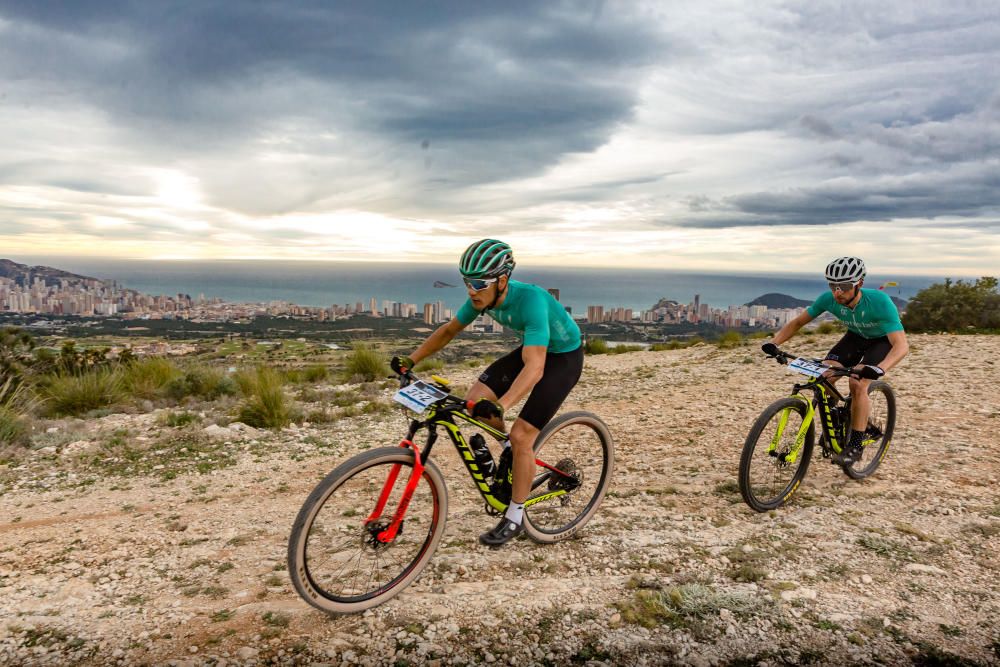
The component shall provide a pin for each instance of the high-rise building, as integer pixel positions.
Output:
(554, 291)
(595, 314)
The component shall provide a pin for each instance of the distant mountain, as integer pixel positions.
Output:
(665, 303)
(900, 303)
(22, 273)
(775, 300)
(439, 283)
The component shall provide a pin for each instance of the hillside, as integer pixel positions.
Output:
(775, 300)
(19, 272)
(118, 543)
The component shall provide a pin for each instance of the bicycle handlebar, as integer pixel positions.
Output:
(836, 371)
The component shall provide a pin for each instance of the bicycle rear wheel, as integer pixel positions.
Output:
(335, 560)
(881, 423)
(579, 446)
(767, 478)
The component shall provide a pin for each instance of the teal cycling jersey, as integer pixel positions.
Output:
(874, 316)
(534, 314)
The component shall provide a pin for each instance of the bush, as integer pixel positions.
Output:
(207, 383)
(957, 306)
(13, 430)
(596, 346)
(178, 419)
(624, 349)
(266, 404)
(365, 362)
(315, 373)
(77, 394)
(427, 365)
(830, 327)
(149, 377)
(730, 339)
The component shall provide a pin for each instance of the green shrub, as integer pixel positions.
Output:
(13, 430)
(596, 346)
(266, 405)
(830, 327)
(77, 394)
(315, 373)
(622, 349)
(730, 339)
(178, 419)
(955, 306)
(148, 378)
(429, 365)
(207, 383)
(365, 363)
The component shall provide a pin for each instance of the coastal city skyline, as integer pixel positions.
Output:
(716, 137)
(34, 291)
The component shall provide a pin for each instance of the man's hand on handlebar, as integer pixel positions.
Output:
(401, 365)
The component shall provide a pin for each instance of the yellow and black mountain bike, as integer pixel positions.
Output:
(371, 526)
(778, 448)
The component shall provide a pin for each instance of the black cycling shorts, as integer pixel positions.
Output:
(562, 370)
(853, 349)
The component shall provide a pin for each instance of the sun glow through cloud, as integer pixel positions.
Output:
(710, 137)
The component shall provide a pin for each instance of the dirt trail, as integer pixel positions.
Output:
(904, 566)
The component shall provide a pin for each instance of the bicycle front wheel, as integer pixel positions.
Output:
(579, 446)
(773, 462)
(335, 559)
(881, 423)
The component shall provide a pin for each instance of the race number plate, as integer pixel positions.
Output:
(808, 367)
(418, 396)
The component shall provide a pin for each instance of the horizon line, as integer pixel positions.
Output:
(221, 260)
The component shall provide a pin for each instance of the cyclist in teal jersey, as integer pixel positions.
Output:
(544, 368)
(874, 342)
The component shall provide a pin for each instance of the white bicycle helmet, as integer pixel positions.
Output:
(845, 269)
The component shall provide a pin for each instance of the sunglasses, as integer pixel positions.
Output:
(841, 287)
(479, 284)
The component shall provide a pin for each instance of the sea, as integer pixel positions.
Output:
(311, 283)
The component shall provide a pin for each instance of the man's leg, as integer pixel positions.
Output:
(861, 405)
(522, 439)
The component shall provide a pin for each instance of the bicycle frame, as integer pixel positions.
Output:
(441, 414)
(827, 397)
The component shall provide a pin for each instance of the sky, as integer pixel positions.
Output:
(730, 136)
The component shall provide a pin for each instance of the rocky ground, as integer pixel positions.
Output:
(127, 541)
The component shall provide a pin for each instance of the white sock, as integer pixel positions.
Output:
(515, 513)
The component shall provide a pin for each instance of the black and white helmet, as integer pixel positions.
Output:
(845, 269)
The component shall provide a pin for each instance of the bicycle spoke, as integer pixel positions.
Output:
(577, 452)
(344, 559)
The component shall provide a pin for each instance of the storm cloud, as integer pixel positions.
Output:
(278, 124)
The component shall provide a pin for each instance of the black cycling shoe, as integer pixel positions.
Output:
(849, 456)
(502, 533)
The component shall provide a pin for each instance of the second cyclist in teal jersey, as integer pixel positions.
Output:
(874, 342)
(544, 368)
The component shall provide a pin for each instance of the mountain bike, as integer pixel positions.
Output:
(779, 447)
(371, 526)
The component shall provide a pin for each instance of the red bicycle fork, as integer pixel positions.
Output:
(389, 534)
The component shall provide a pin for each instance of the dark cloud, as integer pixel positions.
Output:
(451, 72)
(819, 127)
(925, 196)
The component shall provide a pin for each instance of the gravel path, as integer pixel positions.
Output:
(184, 563)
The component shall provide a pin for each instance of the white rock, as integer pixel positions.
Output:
(247, 652)
(919, 567)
